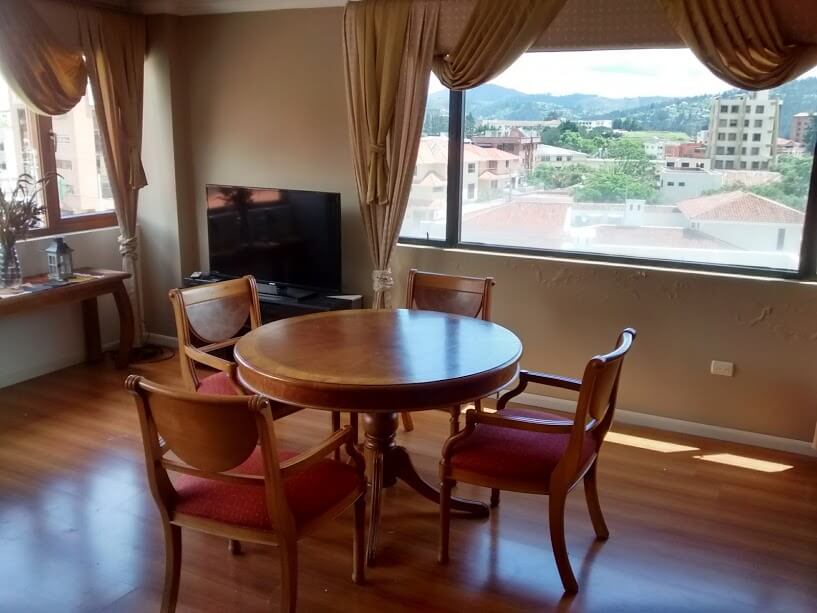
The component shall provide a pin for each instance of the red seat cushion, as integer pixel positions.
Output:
(219, 384)
(309, 493)
(506, 453)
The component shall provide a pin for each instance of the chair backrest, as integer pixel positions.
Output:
(211, 435)
(597, 400)
(212, 313)
(468, 296)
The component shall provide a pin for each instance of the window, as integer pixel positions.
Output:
(758, 123)
(66, 146)
(755, 151)
(760, 108)
(745, 123)
(614, 200)
(733, 123)
(756, 137)
(721, 123)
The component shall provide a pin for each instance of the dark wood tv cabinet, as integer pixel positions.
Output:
(275, 307)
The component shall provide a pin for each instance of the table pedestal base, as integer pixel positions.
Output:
(388, 462)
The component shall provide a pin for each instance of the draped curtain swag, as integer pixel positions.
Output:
(49, 77)
(497, 33)
(740, 41)
(114, 48)
(388, 46)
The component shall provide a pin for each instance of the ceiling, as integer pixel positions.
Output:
(203, 7)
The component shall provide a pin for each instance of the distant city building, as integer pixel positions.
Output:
(702, 136)
(743, 131)
(516, 141)
(499, 124)
(790, 147)
(594, 123)
(654, 147)
(799, 126)
(681, 184)
(558, 156)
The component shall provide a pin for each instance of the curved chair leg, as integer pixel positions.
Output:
(494, 498)
(591, 494)
(359, 542)
(173, 567)
(445, 520)
(408, 421)
(557, 540)
(289, 575)
(234, 547)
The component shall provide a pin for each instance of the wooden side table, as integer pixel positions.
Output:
(85, 291)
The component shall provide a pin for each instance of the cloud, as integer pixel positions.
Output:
(613, 73)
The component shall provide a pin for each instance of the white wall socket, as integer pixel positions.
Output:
(723, 369)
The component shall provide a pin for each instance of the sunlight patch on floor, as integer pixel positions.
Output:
(647, 443)
(744, 462)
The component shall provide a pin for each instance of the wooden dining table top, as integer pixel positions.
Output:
(378, 360)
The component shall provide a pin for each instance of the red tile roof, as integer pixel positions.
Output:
(739, 206)
(545, 220)
(653, 236)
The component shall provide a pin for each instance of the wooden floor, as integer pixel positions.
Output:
(78, 530)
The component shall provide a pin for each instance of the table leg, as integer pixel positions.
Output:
(90, 324)
(126, 325)
(387, 462)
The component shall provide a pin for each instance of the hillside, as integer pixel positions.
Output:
(688, 114)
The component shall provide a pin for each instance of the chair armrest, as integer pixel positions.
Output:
(542, 378)
(526, 376)
(305, 459)
(212, 361)
(519, 422)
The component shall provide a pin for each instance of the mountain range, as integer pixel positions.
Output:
(678, 114)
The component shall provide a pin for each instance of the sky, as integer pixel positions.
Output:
(613, 74)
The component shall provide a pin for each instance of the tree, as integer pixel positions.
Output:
(550, 177)
(811, 135)
(470, 125)
(616, 183)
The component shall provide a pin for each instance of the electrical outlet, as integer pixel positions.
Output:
(723, 369)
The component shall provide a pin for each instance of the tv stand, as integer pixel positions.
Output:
(294, 302)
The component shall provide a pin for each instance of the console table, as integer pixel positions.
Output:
(86, 291)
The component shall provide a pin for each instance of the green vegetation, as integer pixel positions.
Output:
(631, 175)
(643, 135)
(791, 189)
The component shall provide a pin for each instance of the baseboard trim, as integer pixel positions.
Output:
(38, 370)
(162, 340)
(720, 433)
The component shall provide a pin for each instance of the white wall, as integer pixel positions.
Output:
(36, 343)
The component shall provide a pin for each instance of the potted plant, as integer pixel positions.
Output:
(20, 212)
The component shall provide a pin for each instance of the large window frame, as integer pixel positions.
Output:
(807, 270)
(54, 222)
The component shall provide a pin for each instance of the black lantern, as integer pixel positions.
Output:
(60, 262)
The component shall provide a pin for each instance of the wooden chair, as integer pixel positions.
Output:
(539, 453)
(231, 487)
(469, 296)
(209, 320)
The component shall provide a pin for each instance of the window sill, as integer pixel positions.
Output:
(51, 233)
(607, 262)
(76, 224)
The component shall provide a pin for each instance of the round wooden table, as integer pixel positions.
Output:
(380, 363)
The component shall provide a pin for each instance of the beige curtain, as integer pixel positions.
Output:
(740, 41)
(114, 48)
(497, 33)
(388, 47)
(49, 77)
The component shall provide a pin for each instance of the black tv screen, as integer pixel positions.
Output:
(284, 236)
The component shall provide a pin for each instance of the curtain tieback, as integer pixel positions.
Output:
(128, 247)
(377, 149)
(382, 280)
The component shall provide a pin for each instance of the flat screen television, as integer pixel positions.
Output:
(288, 237)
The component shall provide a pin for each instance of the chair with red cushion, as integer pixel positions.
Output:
(210, 320)
(539, 453)
(229, 485)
